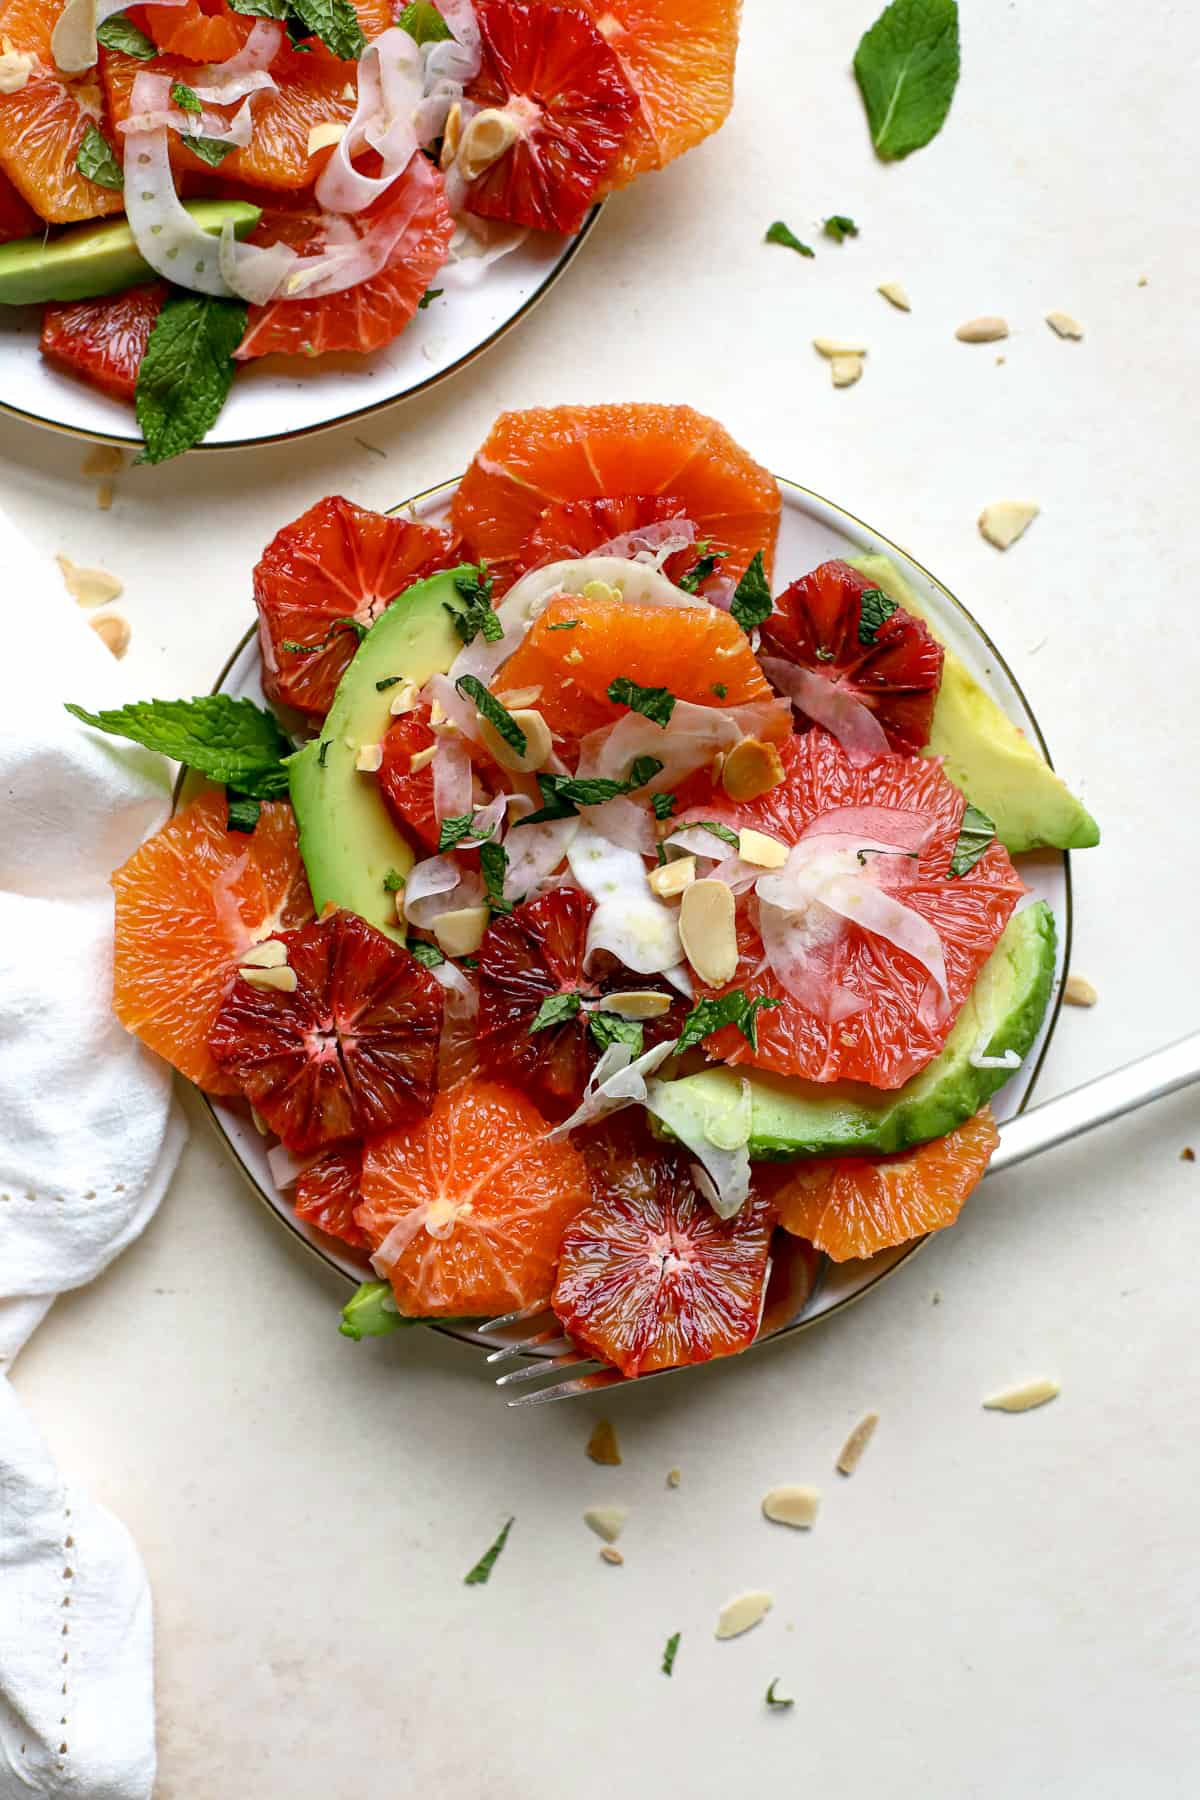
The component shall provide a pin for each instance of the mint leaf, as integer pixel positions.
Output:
(876, 609)
(120, 33)
(726, 833)
(564, 625)
(664, 805)
(454, 829)
(610, 1028)
(393, 881)
(752, 598)
(364, 1314)
(907, 69)
(563, 794)
(702, 568)
(428, 298)
(489, 708)
(774, 1699)
(241, 811)
(493, 866)
(186, 98)
(260, 9)
(212, 151)
(654, 703)
(555, 1009)
(228, 740)
(335, 22)
(779, 233)
(96, 160)
(475, 586)
(719, 689)
(297, 648)
(428, 955)
(422, 21)
(186, 371)
(733, 1008)
(487, 1562)
(839, 228)
(670, 1652)
(974, 835)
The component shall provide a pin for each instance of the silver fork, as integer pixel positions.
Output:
(1041, 1128)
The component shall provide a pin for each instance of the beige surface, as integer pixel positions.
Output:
(992, 1606)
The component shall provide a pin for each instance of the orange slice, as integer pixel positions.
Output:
(42, 124)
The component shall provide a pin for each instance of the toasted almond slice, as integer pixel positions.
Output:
(1022, 1399)
(515, 698)
(329, 131)
(796, 1506)
(611, 1555)
(751, 768)
(1004, 521)
(437, 714)
(1078, 991)
(401, 915)
(460, 932)
(635, 1003)
(404, 698)
(856, 1443)
(113, 631)
(672, 877)
(539, 742)
(283, 979)
(986, 330)
(104, 496)
(369, 759)
(421, 759)
(708, 932)
(606, 1521)
(763, 851)
(832, 347)
(674, 1477)
(600, 590)
(89, 587)
(845, 370)
(602, 1445)
(103, 460)
(1064, 325)
(270, 954)
(743, 1613)
(260, 1124)
(896, 294)
(451, 135)
(486, 139)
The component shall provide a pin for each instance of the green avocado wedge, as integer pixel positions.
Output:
(86, 261)
(792, 1118)
(347, 839)
(987, 757)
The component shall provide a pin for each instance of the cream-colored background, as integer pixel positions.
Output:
(992, 1606)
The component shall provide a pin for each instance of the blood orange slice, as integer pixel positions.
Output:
(550, 70)
(190, 903)
(43, 123)
(353, 1049)
(577, 527)
(104, 340)
(203, 31)
(328, 1191)
(649, 1277)
(321, 581)
(531, 460)
(16, 219)
(408, 793)
(893, 1034)
(465, 1210)
(855, 1206)
(893, 668)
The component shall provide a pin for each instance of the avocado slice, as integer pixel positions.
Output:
(90, 260)
(992, 762)
(792, 1118)
(347, 838)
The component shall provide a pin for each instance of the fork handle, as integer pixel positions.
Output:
(1096, 1102)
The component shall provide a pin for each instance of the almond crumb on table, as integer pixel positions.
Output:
(610, 1554)
(1078, 991)
(856, 1443)
(1024, 1398)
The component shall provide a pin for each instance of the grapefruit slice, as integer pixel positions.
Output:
(353, 1049)
(535, 459)
(408, 794)
(43, 123)
(189, 904)
(16, 219)
(104, 340)
(465, 1210)
(855, 1206)
(577, 527)
(892, 1036)
(649, 1277)
(893, 668)
(322, 581)
(328, 1191)
(551, 71)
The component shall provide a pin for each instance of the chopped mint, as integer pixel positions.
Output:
(323, 752)
(655, 703)
(779, 233)
(564, 794)
(719, 689)
(907, 69)
(726, 833)
(365, 1315)
(231, 741)
(186, 98)
(96, 160)
(212, 151)
(564, 625)
(839, 228)
(671, 1652)
(877, 609)
(610, 1028)
(702, 568)
(335, 22)
(555, 1009)
(733, 1008)
(489, 708)
(186, 371)
(475, 586)
(974, 835)
(393, 881)
(260, 9)
(428, 955)
(752, 597)
(387, 682)
(664, 805)
(120, 33)
(487, 1562)
(429, 296)
(354, 626)
(774, 1699)
(241, 811)
(454, 829)
(493, 866)
(422, 21)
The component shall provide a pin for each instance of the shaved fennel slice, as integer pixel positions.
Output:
(653, 543)
(854, 725)
(167, 236)
(241, 74)
(692, 737)
(436, 886)
(535, 852)
(622, 822)
(797, 949)
(235, 132)
(286, 1167)
(349, 260)
(73, 41)
(390, 86)
(630, 921)
(453, 777)
(886, 826)
(979, 1058)
(882, 915)
(458, 709)
(615, 1082)
(448, 66)
(456, 1048)
(726, 1164)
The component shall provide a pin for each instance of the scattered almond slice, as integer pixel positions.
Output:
(270, 954)
(103, 460)
(796, 1506)
(985, 330)
(743, 1613)
(1078, 991)
(602, 1446)
(708, 932)
(674, 1477)
(282, 979)
(260, 1124)
(539, 743)
(846, 370)
(485, 140)
(460, 932)
(113, 631)
(89, 587)
(831, 347)
(750, 769)
(1004, 521)
(673, 877)
(1023, 1399)
(1064, 325)
(369, 759)
(329, 131)
(610, 1554)
(513, 698)
(606, 1521)
(421, 759)
(896, 294)
(635, 1003)
(856, 1443)
(104, 496)
(763, 851)
(405, 698)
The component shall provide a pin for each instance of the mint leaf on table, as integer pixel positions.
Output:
(428, 955)
(227, 740)
(428, 298)
(774, 1699)
(654, 703)
(241, 811)
(212, 151)
(335, 22)
(671, 1652)
(702, 568)
(186, 371)
(907, 69)
(555, 1009)
(422, 21)
(608, 1028)
(487, 1562)
(975, 833)
(752, 598)
(364, 1314)
(876, 608)
(839, 228)
(733, 1008)
(96, 159)
(489, 708)
(475, 587)
(120, 33)
(493, 866)
(779, 233)
(186, 98)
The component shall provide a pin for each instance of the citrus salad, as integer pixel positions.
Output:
(230, 179)
(624, 909)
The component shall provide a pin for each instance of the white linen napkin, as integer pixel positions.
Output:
(89, 1139)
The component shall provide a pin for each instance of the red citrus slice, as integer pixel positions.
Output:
(550, 69)
(328, 1191)
(43, 123)
(408, 793)
(577, 527)
(190, 903)
(892, 1036)
(352, 1050)
(209, 31)
(535, 459)
(855, 1205)
(335, 568)
(465, 1209)
(649, 1278)
(104, 340)
(896, 674)
(16, 219)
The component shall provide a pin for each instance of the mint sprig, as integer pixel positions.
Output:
(975, 833)
(711, 1015)
(608, 1028)
(654, 703)
(335, 22)
(475, 587)
(96, 159)
(907, 69)
(556, 1009)
(428, 955)
(565, 794)
(752, 601)
(120, 33)
(875, 609)
(227, 740)
(186, 372)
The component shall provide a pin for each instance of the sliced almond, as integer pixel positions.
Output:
(421, 759)
(514, 698)
(451, 135)
(282, 979)
(437, 715)
(832, 347)
(1004, 521)
(89, 587)
(751, 768)
(602, 1445)
(103, 460)
(856, 1443)
(611, 1555)
(674, 1477)
(1022, 1399)
(104, 496)
(539, 742)
(369, 759)
(113, 631)
(635, 1003)
(16, 66)
(743, 1613)
(606, 1521)
(401, 915)
(796, 1506)
(1078, 991)
(489, 135)
(1064, 325)
(708, 932)
(329, 131)
(259, 1123)
(672, 878)
(270, 954)
(460, 932)
(763, 851)
(893, 292)
(404, 698)
(845, 370)
(986, 330)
